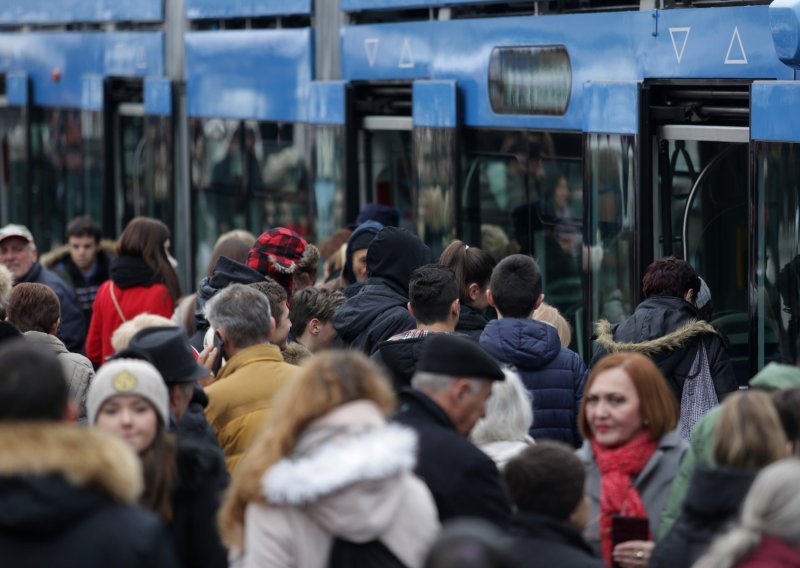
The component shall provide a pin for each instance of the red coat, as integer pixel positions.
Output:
(133, 301)
(772, 552)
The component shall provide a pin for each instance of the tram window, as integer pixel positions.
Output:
(387, 169)
(57, 174)
(612, 185)
(13, 160)
(328, 182)
(778, 179)
(523, 192)
(246, 175)
(433, 151)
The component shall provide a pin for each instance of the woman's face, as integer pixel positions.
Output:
(612, 408)
(131, 418)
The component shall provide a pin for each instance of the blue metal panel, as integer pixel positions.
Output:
(57, 61)
(784, 22)
(435, 104)
(360, 5)
(258, 74)
(611, 108)
(92, 92)
(200, 9)
(70, 11)
(158, 97)
(773, 105)
(18, 88)
(326, 102)
(629, 46)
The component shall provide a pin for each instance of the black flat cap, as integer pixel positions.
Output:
(455, 356)
(170, 352)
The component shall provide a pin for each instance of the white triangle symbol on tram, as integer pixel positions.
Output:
(406, 58)
(371, 47)
(678, 31)
(742, 59)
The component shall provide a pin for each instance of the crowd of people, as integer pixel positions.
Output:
(398, 411)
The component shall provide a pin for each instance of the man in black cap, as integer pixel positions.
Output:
(450, 388)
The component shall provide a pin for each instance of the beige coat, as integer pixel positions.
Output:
(77, 369)
(241, 398)
(350, 476)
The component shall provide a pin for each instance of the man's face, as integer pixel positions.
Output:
(18, 256)
(471, 407)
(282, 327)
(359, 261)
(83, 251)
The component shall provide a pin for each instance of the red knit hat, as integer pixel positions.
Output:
(279, 253)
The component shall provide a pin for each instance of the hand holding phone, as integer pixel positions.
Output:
(627, 529)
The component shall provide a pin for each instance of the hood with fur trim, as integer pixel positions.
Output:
(52, 258)
(677, 339)
(52, 474)
(345, 471)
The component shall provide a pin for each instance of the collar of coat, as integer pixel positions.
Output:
(259, 353)
(349, 445)
(670, 342)
(84, 456)
(59, 254)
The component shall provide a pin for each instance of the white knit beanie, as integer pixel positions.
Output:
(128, 377)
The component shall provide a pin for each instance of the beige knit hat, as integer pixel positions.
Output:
(128, 377)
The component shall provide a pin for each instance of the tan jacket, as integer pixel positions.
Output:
(241, 398)
(350, 476)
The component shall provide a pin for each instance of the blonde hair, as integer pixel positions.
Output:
(748, 433)
(549, 314)
(324, 382)
(121, 338)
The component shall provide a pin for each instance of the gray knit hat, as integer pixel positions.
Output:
(128, 377)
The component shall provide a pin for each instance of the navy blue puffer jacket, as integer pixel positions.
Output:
(554, 375)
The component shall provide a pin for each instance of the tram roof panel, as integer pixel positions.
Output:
(79, 11)
(710, 43)
(363, 5)
(252, 74)
(202, 9)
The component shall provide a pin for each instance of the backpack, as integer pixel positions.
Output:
(346, 554)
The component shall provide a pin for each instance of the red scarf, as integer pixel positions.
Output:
(618, 469)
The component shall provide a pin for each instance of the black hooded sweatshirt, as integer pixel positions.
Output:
(379, 310)
(226, 271)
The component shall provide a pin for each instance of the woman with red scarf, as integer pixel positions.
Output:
(631, 454)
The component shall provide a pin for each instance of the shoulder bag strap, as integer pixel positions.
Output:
(116, 304)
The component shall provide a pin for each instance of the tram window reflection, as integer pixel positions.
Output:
(778, 180)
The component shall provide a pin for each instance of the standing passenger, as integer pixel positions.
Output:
(91, 480)
(19, 254)
(142, 280)
(329, 482)
(631, 451)
(312, 317)
(473, 269)
(286, 257)
(554, 375)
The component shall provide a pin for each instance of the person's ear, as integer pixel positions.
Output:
(473, 291)
(272, 326)
(55, 326)
(314, 327)
(455, 308)
(70, 412)
(539, 301)
(411, 310)
(490, 298)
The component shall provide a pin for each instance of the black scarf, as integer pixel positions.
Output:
(130, 271)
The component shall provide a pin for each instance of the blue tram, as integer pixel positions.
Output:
(595, 135)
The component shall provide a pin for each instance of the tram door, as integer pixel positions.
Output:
(140, 152)
(701, 172)
(15, 198)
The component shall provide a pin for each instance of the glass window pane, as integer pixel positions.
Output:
(327, 157)
(13, 144)
(612, 185)
(434, 150)
(778, 178)
(388, 171)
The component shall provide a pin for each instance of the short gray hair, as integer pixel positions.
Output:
(242, 313)
(509, 413)
(434, 382)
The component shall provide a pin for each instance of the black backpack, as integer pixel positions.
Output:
(346, 554)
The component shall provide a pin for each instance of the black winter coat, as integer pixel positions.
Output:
(399, 355)
(226, 271)
(379, 309)
(554, 375)
(541, 542)
(711, 505)
(471, 322)
(202, 478)
(667, 330)
(77, 511)
(463, 480)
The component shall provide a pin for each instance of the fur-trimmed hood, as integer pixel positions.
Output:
(52, 258)
(345, 471)
(295, 353)
(675, 340)
(52, 473)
